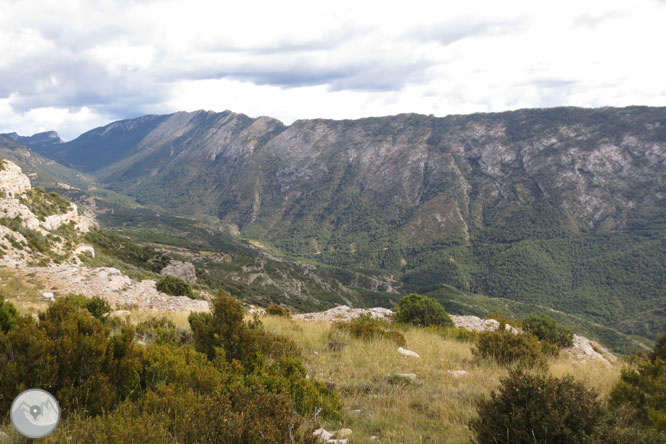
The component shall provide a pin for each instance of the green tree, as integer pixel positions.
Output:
(422, 311)
(546, 329)
(530, 409)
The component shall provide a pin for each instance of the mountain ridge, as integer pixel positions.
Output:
(561, 206)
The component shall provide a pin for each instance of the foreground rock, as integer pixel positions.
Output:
(585, 349)
(475, 323)
(112, 285)
(345, 313)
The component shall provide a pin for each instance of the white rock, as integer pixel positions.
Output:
(457, 373)
(322, 434)
(411, 376)
(475, 323)
(48, 296)
(120, 313)
(587, 350)
(337, 441)
(405, 352)
(374, 438)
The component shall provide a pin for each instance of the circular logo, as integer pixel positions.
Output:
(35, 413)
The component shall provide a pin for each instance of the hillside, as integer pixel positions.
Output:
(562, 207)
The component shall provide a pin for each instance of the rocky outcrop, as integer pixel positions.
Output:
(475, 323)
(345, 313)
(182, 270)
(26, 237)
(585, 349)
(112, 285)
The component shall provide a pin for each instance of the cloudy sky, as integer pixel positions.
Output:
(71, 65)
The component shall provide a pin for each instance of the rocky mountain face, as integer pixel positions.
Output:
(423, 176)
(45, 140)
(37, 227)
(564, 207)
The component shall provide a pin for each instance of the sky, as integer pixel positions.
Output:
(72, 65)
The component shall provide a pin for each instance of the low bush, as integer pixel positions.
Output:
(111, 389)
(422, 311)
(8, 315)
(530, 409)
(367, 328)
(507, 348)
(642, 390)
(546, 329)
(278, 310)
(175, 286)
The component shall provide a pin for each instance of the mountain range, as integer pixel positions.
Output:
(560, 207)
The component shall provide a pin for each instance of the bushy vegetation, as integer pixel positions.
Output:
(367, 328)
(8, 315)
(546, 329)
(507, 348)
(421, 310)
(278, 310)
(641, 392)
(174, 286)
(112, 389)
(530, 409)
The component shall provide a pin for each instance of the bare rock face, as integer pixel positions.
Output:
(19, 221)
(182, 270)
(12, 181)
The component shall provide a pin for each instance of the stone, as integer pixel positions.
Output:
(475, 323)
(344, 313)
(181, 270)
(337, 441)
(48, 296)
(587, 350)
(411, 376)
(405, 352)
(457, 373)
(322, 434)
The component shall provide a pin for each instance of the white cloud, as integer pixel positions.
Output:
(73, 64)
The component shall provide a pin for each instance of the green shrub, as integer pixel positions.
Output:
(225, 329)
(507, 348)
(367, 328)
(422, 311)
(98, 307)
(546, 329)
(8, 315)
(643, 390)
(530, 409)
(159, 330)
(175, 286)
(278, 310)
(113, 390)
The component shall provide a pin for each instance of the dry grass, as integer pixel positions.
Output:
(436, 407)
(21, 292)
(178, 317)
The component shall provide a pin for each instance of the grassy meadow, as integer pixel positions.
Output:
(435, 407)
